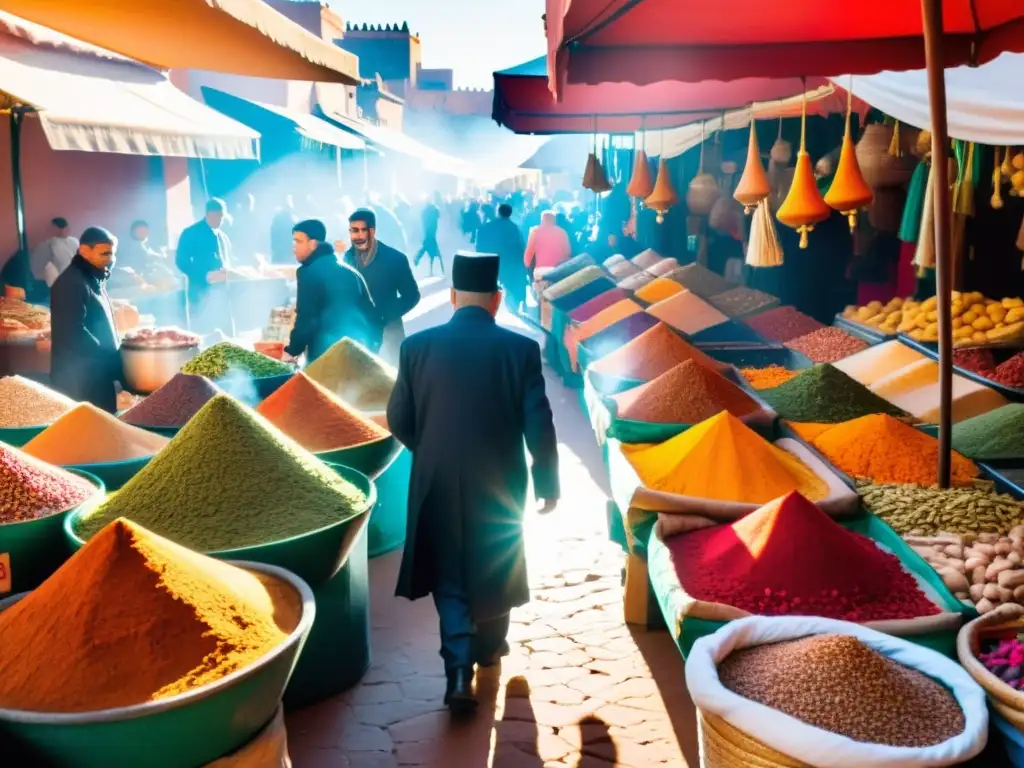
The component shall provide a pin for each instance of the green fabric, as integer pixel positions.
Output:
(910, 226)
(686, 630)
(629, 431)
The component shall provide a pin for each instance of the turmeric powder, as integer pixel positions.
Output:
(767, 377)
(724, 459)
(885, 450)
(659, 290)
(133, 617)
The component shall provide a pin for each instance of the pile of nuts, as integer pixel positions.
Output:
(918, 511)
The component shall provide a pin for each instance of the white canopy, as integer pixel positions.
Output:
(99, 102)
(984, 104)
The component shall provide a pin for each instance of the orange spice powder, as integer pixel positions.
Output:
(659, 290)
(767, 377)
(651, 354)
(603, 319)
(687, 394)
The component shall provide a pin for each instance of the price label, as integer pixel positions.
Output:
(5, 573)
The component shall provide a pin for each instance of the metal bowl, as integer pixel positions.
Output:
(146, 369)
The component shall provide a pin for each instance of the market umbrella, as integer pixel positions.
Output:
(644, 41)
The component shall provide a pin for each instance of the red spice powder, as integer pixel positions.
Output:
(827, 345)
(1009, 373)
(316, 418)
(687, 394)
(31, 489)
(783, 323)
(975, 360)
(589, 308)
(651, 354)
(788, 558)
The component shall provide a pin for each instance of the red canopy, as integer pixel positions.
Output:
(523, 103)
(646, 41)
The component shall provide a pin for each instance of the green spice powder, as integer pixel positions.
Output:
(998, 434)
(225, 357)
(229, 479)
(826, 395)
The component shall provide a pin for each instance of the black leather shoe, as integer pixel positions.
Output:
(459, 697)
(495, 658)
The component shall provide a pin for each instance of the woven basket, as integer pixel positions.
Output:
(880, 169)
(723, 746)
(1004, 699)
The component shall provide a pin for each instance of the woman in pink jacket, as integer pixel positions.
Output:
(548, 244)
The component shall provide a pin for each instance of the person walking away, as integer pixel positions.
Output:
(548, 244)
(332, 300)
(483, 383)
(503, 237)
(388, 275)
(84, 358)
(203, 255)
(281, 233)
(52, 256)
(430, 218)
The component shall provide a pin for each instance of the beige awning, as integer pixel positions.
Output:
(91, 103)
(238, 37)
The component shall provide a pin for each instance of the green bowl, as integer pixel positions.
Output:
(18, 436)
(314, 556)
(388, 524)
(36, 548)
(114, 474)
(184, 731)
(369, 458)
(253, 390)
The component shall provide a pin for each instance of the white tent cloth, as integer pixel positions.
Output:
(983, 104)
(91, 103)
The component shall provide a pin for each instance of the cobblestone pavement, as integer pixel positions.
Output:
(579, 689)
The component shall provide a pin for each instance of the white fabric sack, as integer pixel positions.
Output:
(815, 746)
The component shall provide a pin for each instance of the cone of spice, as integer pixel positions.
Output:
(659, 290)
(590, 308)
(996, 435)
(687, 312)
(582, 295)
(256, 485)
(651, 354)
(355, 374)
(317, 419)
(689, 393)
(724, 459)
(782, 323)
(767, 377)
(606, 317)
(825, 394)
(606, 341)
(31, 489)
(226, 358)
(27, 403)
(790, 558)
(701, 280)
(131, 618)
(174, 403)
(87, 435)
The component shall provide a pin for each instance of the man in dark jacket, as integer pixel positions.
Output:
(503, 237)
(430, 218)
(469, 395)
(388, 275)
(332, 299)
(85, 361)
(204, 252)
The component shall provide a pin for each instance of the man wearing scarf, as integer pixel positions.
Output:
(332, 300)
(85, 361)
(388, 276)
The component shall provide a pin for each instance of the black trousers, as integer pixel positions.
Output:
(465, 638)
(432, 249)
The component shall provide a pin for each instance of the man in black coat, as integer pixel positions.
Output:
(388, 276)
(503, 237)
(85, 361)
(469, 395)
(332, 299)
(203, 255)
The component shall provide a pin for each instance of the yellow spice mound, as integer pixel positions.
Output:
(723, 459)
(659, 290)
(87, 435)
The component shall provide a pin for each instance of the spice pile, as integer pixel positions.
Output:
(769, 377)
(174, 403)
(87, 435)
(355, 374)
(132, 618)
(885, 450)
(590, 308)
(996, 435)
(316, 419)
(636, 282)
(560, 286)
(568, 268)
(607, 340)
(224, 358)
(31, 489)
(621, 269)
(608, 316)
(686, 394)
(659, 290)
(782, 323)
(26, 403)
(877, 362)
(1005, 659)
(663, 267)
(742, 301)
(256, 485)
(724, 459)
(687, 312)
(651, 354)
(701, 280)
(1009, 373)
(915, 389)
(915, 510)
(827, 345)
(790, 558)
(825, 394)
(839, 684)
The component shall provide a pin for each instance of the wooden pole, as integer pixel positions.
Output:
(931, 14)
(19, 198)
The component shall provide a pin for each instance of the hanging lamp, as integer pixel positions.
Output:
(804, 206)
(849, 193)
(782, 151)
(754, 185)
(594, 177)
(703, 190)
(663, 196)
(641, 185)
